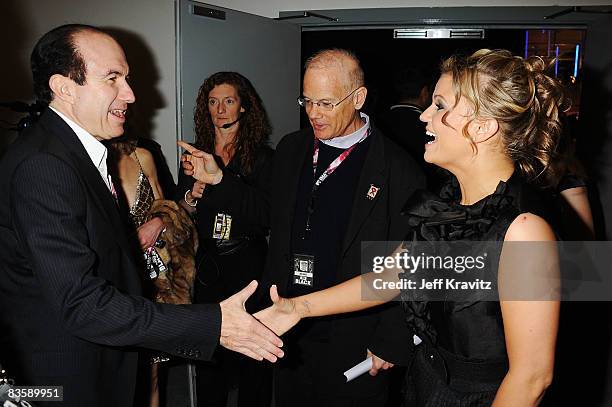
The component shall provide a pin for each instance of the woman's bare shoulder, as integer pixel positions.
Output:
(529, 227)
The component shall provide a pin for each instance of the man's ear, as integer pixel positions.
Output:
(63, 88)
(482, 130)
(359, 97)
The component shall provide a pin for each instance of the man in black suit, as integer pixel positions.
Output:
(70, 299)
(335, 185)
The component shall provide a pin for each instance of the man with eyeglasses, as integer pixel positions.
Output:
(334, 185)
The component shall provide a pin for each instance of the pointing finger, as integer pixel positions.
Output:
(187, 147)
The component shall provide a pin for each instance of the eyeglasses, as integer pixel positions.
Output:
(322, 104)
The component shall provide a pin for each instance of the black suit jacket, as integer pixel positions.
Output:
(69, 289)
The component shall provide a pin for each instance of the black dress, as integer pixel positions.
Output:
(463, 359)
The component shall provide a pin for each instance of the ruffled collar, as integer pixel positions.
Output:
(441, 217)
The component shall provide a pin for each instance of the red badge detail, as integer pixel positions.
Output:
(372, 192)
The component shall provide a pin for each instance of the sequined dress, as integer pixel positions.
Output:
(144, 197)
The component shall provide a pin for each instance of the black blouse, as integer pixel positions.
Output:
(469, 329)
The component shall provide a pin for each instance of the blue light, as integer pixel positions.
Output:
(576, 59)
(556, 61)
(526, 43)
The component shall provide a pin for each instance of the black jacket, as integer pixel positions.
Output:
(69, 288)
(379, 329)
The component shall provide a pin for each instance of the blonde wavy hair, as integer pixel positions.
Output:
(522, 97)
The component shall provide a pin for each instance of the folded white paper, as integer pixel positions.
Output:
(358, 369)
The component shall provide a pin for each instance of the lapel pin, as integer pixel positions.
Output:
(372, 191)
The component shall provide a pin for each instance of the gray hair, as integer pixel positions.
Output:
(343, 60)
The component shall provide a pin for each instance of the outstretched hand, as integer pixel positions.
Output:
(281, 316)
(242, 333)
(200, 165)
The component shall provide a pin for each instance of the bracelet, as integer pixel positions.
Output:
(193, 203)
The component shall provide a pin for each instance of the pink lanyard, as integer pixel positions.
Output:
(329, 171)
(334, 164)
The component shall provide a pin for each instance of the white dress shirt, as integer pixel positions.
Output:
(97, 151)
(347, 141)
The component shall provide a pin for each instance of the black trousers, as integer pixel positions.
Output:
(228, 371)
(220, 275)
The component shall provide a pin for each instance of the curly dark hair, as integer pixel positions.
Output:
(56, 53)
(254, 129)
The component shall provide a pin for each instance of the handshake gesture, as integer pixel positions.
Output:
(242, 333)
(285, 313)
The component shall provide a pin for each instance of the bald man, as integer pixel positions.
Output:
(317, 224)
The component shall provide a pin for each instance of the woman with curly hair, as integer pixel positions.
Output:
(494, 124)
(232, 125)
